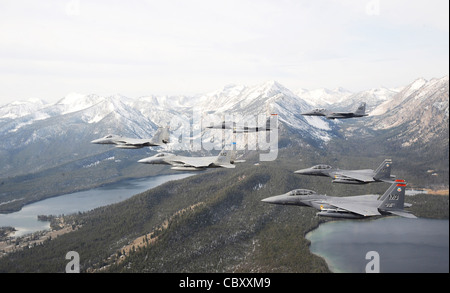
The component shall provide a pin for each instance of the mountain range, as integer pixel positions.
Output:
(38, 138)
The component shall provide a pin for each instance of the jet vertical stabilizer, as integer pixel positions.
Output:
(361, 111)
(162, 136)
(393, 200)
(383, 172)
(394, 197)
(225, 157)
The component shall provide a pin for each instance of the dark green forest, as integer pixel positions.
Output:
(228, 229)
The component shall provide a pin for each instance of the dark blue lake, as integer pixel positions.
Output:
(25, 221)
(403, 245)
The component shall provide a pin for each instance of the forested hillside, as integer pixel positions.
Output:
(228, 229)
(211, 222)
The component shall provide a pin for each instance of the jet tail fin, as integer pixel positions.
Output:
(162, 136)
(383, 172)
(225, 157)
(393, 200)
(361, 109)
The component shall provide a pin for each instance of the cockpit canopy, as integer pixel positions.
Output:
(321, 167)
(297, 192)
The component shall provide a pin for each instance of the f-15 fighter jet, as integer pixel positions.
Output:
(392, 202)
(183, 163)
(360, 112)
(381, 174)
(271, 123)
(161, 137)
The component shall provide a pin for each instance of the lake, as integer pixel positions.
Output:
(403, 245)
(25, 221)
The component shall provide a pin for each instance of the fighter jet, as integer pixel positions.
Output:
(360, 112)
(381, 174)
(270, 124)
(161, 137)
(392, 202)
(182, 163)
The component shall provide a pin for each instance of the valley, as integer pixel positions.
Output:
(213, 221)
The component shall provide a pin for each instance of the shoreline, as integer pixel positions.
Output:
(4, 210)
(17, 243)
(307, 238)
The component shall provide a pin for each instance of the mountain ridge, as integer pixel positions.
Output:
(59, 134)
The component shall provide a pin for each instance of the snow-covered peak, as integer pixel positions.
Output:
(417, 84)
(323, 97)
(21, 108)
(71, 98)
(341, 90)
(273, 87)
(414, 94)
(75, 102)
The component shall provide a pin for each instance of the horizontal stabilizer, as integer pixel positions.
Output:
(181, 168)
(403, 214)
(228, 166)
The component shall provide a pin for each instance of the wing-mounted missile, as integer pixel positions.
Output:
(124, 146)
(346, 181)
(344, 215)
(180, 168)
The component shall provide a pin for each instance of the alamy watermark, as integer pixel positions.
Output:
(207, 132)
(373, 266)
(373, 7)
(73, 266)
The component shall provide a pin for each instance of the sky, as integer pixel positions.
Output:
(50, 48)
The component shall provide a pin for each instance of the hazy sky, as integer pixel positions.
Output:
(49, 48)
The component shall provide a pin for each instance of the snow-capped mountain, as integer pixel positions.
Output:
(55, 132)
(21, 108)
(52, 141)
(341, 99)
(324, 97)
(35, 131)
(415, 98)
(239, 103)
(373, 98)
(420, 109)
(262, 101)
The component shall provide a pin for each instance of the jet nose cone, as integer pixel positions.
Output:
(145, 161)
(269, 200)
(151, 160)
(302, 171)
(277, 199)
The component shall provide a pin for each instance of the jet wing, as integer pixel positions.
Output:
(134, 142)
(250, 129)
(204, 162)
(354, 175)
(339, 115)
(344, 113)
(198, 162)
(356, 205)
